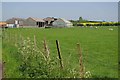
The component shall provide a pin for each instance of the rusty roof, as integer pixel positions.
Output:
(37, 19)
(49, 19)
(2, 23)
(12, 20)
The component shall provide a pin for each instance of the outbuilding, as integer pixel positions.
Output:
(15, 22)
(35, 22)
(60, 22)
(49, 21)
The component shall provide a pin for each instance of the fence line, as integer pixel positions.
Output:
(59, 53)
(81, 61)
(35, 41)
(46, 49)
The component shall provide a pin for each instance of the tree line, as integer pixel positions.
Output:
(83, 22)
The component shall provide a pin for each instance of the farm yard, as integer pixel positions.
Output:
(99, 52)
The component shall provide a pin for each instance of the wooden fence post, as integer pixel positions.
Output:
(81, 61)
(46, 50)
(11, 37)
(5, 35)
(21, 40)
(3, 69)
(59, 53)
(8, 37)
(14, 37)
(35, 41)
(16, 40)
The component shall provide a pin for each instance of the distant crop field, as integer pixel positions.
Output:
(99, 49)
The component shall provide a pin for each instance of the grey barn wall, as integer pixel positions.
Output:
(30, 22)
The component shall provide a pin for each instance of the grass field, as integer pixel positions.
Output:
(99, 48)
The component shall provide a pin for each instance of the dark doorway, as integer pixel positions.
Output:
(40, 24)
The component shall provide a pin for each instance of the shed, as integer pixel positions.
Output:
(35, 22)
(60, 22)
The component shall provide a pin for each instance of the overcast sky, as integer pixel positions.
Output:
(107, 11)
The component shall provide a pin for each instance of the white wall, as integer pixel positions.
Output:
(60, 23)
(10, 25)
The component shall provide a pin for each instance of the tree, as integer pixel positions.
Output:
(80, 19)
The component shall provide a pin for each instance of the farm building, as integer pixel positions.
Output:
(15, 22)
(60, 22)
(3, 24)
(35, 22)
(38, 22)
(49, 21)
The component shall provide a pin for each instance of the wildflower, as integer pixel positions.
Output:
(87, 74)
(23, 47)
(28, 46)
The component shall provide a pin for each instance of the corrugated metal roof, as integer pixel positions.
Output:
(37, 19)
(12, 20)
(66, 21)
(1, 23)
(49, 19)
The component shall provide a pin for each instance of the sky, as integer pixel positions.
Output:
(60, 0)
(107, 11)
(0, 11)
(119, 11)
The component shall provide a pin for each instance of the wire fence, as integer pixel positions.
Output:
(44, 45)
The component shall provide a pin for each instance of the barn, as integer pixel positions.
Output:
(29, 22)
(15, 22)
(49, 21)
(60, 22)
(35, 22)
(38, 22)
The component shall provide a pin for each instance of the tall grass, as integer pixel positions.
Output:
(99, 49)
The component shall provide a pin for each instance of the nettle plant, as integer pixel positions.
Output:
(33, 62)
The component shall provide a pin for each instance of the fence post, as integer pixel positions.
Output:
(59, 53)
(3, 69)
(46, 50)
(16, 40)
(4, 35)
(35, 41)
(81, 61)
(8, 36)
(21, 40)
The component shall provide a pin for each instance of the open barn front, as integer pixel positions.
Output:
(40, 24)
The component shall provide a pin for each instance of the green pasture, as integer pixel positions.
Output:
(99, 48)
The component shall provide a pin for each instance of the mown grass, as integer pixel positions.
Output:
(99, 48)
